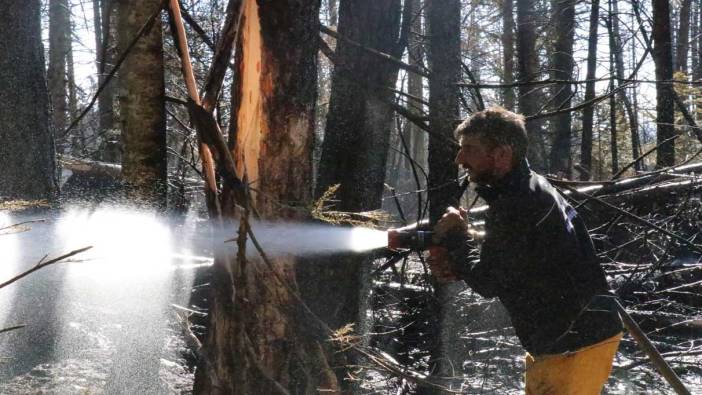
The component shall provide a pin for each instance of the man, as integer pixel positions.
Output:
(537, 257)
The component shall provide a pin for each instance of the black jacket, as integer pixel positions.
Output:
(537, 257)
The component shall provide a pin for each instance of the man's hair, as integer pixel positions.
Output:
(496, 126)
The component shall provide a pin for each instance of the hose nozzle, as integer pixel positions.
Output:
(410, 238)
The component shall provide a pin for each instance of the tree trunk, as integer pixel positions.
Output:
(697, 72)
(444, 57)
(528, 70)
(682, 44)
(142, 105)
(563, 22)
(354, 151)
(613, 48)
(663, 57)
(632, 116)
(694, 43)
(260, 340)
(508, 51)
(59, 45)
(588, 112)
(27, 155)
(415, 87)
(103, 18)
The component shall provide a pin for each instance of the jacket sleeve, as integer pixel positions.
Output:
(471, 269)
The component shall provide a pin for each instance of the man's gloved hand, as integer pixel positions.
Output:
(452, 229)
(449, 233)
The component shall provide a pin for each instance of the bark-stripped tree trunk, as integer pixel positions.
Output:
(563, 22)
(59, 45)
(588, 112)
(682, 45)
(260, 341)
(444, 58)
(27, 156)
(508, 52)
(354, 151)
(142, 104)
(528, 70)
(663, 57)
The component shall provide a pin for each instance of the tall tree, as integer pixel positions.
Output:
(663, 57)
(142, 103)
(27, 155)
(59, 47)
(103, 21)
(682, 45)
(359, 122)
(444, 58)
(613, 49)
(415, 85)
(260, 340)
(527, 71)
(588, 112)
(354, 151)
(563, 23)
(617, 48)
(697, 55)
(508, 51)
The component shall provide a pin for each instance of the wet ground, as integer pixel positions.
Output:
(104, 322)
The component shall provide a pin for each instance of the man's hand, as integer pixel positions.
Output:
(452, 223)
(441, 266)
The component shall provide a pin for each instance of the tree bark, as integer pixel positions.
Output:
(260, 340)
(27, 155)
(415, 87)
(588, 112)
(354, 151)
(444, 57)
(613, 49)
(563, 22)
(528, 70)
(682, 45)
(103, 19)
(59, 45)
(508, 52)
(663, 57)
(632, 115)
(142, 104)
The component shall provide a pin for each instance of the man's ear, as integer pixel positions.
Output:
(503, 158)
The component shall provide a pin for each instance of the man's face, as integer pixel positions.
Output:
(478, 159)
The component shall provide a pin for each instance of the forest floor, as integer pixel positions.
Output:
(111, 334)
(491, 361)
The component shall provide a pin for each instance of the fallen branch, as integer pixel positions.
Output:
(41, 264)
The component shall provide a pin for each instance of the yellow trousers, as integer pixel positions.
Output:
(583, 372)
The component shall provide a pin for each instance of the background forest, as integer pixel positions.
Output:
(341, 113)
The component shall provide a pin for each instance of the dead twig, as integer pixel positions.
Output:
(43, 264)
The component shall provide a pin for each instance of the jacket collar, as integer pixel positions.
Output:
(510, 183)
